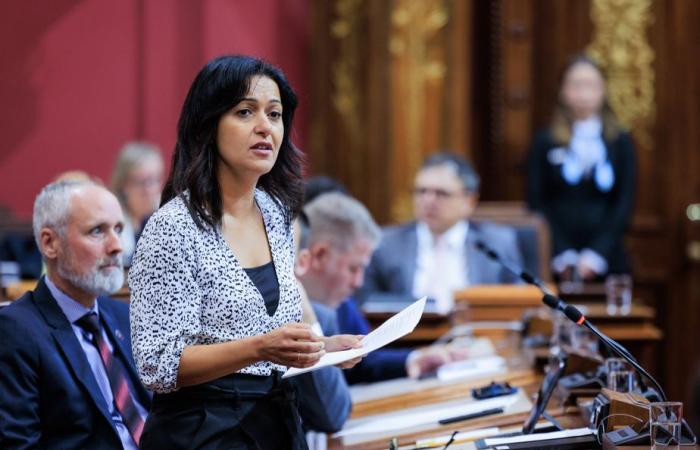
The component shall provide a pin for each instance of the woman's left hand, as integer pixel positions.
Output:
(343, 342)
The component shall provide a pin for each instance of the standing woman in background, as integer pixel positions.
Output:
(136, 181)
(582, 175)
(215, 305)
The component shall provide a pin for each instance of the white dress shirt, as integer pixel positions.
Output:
(441, 264)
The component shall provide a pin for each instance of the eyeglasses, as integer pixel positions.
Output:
(440, 194)
(144, 183)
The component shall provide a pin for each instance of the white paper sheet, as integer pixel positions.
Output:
(538, 437)
(474, 347)
(424, 415)
(395, 327)
(472, 367)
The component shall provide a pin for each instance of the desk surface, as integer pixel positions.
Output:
(518, 374)
(636, 326)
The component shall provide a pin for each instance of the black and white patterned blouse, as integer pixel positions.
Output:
(188, 288)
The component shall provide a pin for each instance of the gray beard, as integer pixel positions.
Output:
(97, 282)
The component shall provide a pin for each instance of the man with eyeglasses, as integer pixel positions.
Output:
(436, 254)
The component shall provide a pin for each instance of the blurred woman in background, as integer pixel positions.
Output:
(581, 176)
(137, 181)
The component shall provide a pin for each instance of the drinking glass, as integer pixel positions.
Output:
(618, 294)
(665, 422)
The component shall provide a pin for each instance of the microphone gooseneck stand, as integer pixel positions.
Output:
(571, 312)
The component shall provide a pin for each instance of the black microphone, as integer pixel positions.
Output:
(576, 316)
(549, 298)
(518, 272)
(554, 302)
(569, 311)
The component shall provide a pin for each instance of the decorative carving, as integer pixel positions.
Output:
(345, 69)
(418, 66)
(621, 47)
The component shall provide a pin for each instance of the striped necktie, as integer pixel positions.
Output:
(117, 377)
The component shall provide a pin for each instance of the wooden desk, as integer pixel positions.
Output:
(636, 330)
(517, 375)
(523, 377)
(16, 290)
(527, 380)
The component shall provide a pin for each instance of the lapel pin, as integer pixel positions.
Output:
(119, 335)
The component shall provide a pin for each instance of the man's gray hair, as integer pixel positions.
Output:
(340, 219)
(52, 206)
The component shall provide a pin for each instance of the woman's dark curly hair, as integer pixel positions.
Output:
(219, 86)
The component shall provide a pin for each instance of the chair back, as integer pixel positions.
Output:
(532, 231)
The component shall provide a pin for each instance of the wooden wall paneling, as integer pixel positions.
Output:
(561, 30)
(677, 141)
(458, 129)
(349, 137)
(321, 109)
(373, 188)
(516, 35)
(392, 84)
(418, 71)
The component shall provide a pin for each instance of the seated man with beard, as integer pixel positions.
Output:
(67, 377)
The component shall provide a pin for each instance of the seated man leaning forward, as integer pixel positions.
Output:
(436, 254)
(67, 377)
(331, 265)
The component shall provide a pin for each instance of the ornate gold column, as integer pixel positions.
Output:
(621, 45)
(392, 84)
(418, 71)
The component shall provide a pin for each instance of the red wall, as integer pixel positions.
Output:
(79, 78)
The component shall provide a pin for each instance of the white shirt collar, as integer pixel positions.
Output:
(591, 127)
(455, 236)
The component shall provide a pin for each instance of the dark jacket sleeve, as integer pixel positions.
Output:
(382, 364)
(611, 232)
(324, 397)
(383, 280)
(376, 287)
(20, 426)
(537, 186)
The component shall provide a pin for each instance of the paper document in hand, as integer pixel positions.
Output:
(395, 327)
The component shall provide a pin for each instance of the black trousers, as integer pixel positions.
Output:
(234, 412)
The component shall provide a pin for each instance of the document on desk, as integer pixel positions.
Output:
(504, 442)
(395, 327)
(425, 417)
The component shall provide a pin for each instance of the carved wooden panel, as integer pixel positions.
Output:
(392, 85)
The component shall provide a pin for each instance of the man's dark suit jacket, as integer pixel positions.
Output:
(324, 397)
(389, 275)
(49, 397)
(379, 365)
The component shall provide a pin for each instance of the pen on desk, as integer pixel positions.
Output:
(460, 438)
(486, 412)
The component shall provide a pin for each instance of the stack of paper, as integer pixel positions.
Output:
(395, 327)
(472, 368)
